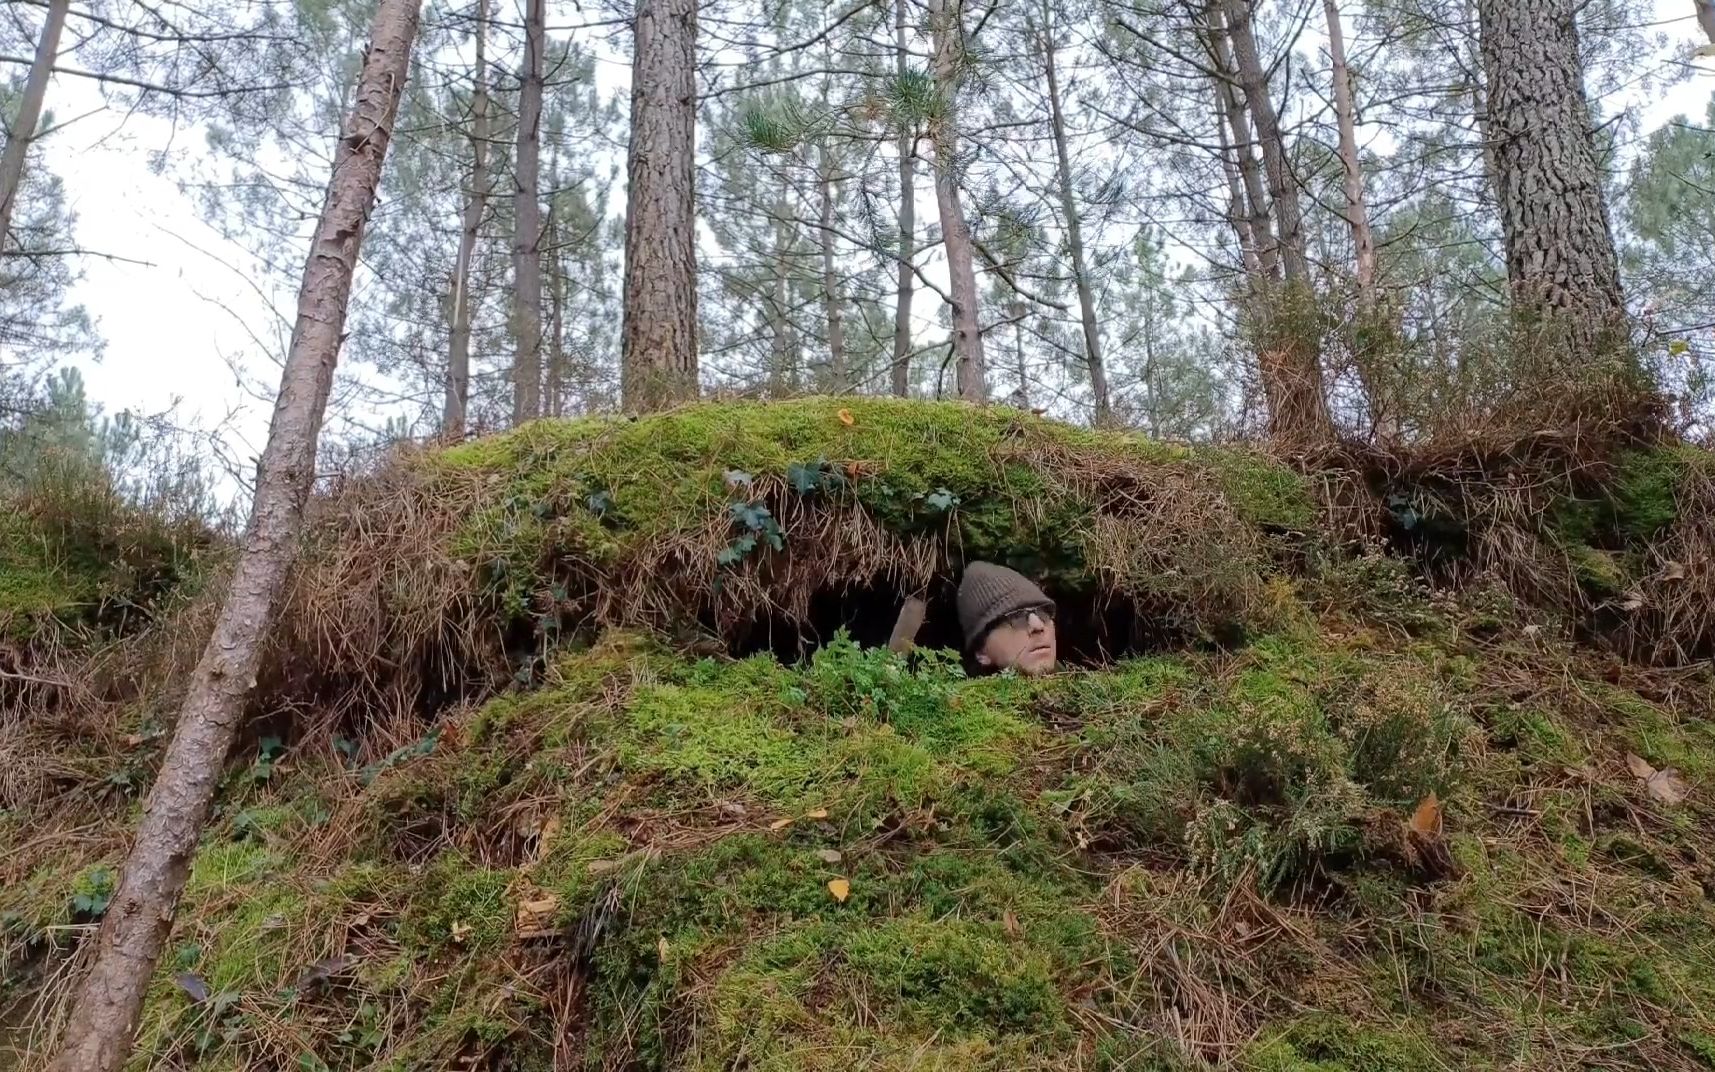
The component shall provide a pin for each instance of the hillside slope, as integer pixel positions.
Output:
(1301, 810)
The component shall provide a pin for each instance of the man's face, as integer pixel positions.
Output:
(1024, 641)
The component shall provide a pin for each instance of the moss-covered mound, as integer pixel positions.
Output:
(740, 518)
(1388, 823)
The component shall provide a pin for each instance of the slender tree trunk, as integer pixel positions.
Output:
(659, 354)
(907, 217)
(1282, 186)
(1238, 215)
(971, 373)
(1074, 230)
(476, 203)
(782, 381)
(1018, 355)
(1370, 338)
(831, 281)
(23, 130)
(527, 228)
(1346, 112)
(1288, 350)
(105, 1011)
(1560, 249)
(556, 317)
(1244, 142)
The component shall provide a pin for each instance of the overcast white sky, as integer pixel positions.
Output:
(177, 307)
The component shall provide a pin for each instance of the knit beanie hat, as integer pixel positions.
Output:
(989, 593)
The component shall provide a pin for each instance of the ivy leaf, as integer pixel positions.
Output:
(599, 503)
(733, 554)
(941, 500)
(804, 478)
(737, 478)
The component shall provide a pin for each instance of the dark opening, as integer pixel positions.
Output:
(1091, 628)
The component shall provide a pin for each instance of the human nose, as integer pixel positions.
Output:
(1036, 623)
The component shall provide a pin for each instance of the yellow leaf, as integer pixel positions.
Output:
(846, 418)
(819, 813)
(780, 824)
(549, 831)
(1639, 766)
(840, 888)
(1426, 820)
(662, 948)
(461, 931)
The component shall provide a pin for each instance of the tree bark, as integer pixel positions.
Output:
(1238, 213)
(1288, 342)
(1282, 186)
(970, 371)
(1346, 114)
(1074, 230)
(554, 404)
(907, 217)
(476, 203)
(1238, 124)
(527, 228)
(659, 356)
(1561, 261)
(23, 130)
(104, 1014)
(831, 281)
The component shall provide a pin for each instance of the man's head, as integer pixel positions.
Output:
(1008, 621)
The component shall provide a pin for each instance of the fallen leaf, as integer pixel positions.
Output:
(1634, 601)
(846, 418)
(321, 971)
(1426, 820)
(1667, 787)
(132, 740)
(193, 986)
(830, 856)
(460, 932)
(1532, 630)
(1639, 766)
(536, 913)
(662, 949)
(602, 867)
(780, 824)
(840, 888)
(819, 813)
(1673, 571)
(1010, 922)
(550, 830)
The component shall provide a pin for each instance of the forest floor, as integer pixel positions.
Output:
(562, 762)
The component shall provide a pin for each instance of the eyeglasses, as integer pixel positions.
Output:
(1020, 619)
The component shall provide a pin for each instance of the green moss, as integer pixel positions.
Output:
(991, 483)
(459, 906)
(1335, 1044)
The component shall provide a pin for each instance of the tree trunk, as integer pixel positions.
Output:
(1282, 185)
(1372, 331)
(907, 218)
(659, 356)
(1074, 232)
(476, 203)
(527, 228)
(1238, 214)
(831, 280)
(1560, 250)
(1346, 112)
(555, 402)
(104, 1014)
(1244, 142)
(23, 130)
(1288, 342)
(970, 371)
